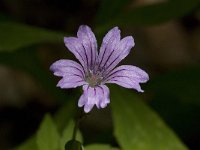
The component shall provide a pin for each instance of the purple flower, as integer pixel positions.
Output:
(96, 69)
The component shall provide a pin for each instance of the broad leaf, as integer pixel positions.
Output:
(178, 91)
(183, 84)
(15, 35)
(62, 117)
(151, 14)
(27, 61)
(138, 127)
(47, 135)
(158, 13)
(30, 144)
(109, 9)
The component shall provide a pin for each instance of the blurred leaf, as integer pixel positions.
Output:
(178, 91)
(30, 144)
(15, 35)
(27, 61)
(109, 9)
(4, 17)
(66, 113)
(151, 14)
(67, 134)
(99, 147)
(183, 84)
(61, 118)
(47, 135)
(159, 13)
(138, 127)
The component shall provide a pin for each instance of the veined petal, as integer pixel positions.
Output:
(65, 67)
(104, 96)
(128, 76)
(98, 96)
(75, 46)
(121, 51)
(72, 73)
(110, 41)
(70, 82)
(82, 100)
(88, 40)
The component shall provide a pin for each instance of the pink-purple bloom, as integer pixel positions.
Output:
(97, 68)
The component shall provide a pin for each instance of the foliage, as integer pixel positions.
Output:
(136, 125)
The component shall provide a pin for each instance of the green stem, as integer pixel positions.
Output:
(75, 129)
(78, 120)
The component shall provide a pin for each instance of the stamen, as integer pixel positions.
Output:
(94, 78)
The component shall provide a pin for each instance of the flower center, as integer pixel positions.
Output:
(93, 79)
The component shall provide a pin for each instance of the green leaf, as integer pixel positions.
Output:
(47, 135)
(30, 144)
(99, 147)
(62, 117)
(15, 35)
(178, 91)
(183, 84)
(106, 12)
(27, 61)
(138, 127)
(4, 17)
(151, 14)
(67, 134)
(66, 113)
(159, 13)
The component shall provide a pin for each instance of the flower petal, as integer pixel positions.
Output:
(128, 76)
(72, 73)
(65, 67)
(82, 100)
(110, 41)
(70, 82)
(88, 40)
(98, 96)
(104, 96)
(75, 46)
(121, 51)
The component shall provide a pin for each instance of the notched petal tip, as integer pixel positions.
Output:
(85, 30)
(130, 41)
(56, 65)
(145, 78)
(115, 29)
(69, 40)
(83, 26)
(112, 32)
(82, 100)
(88, 108)
(52, 68)
(103, 105)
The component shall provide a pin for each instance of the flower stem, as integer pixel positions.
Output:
(78, 120)
(75, 129)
